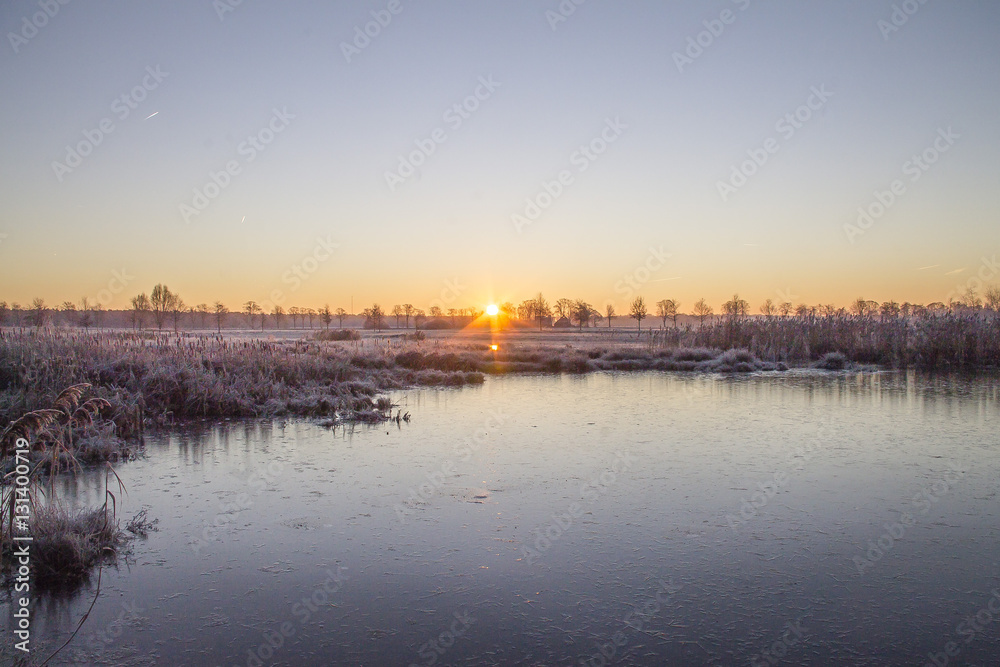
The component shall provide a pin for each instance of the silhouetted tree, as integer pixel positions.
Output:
(609, 312)
(251, 308)
(667, 309)
(161, 302)
(581, 311)
(220, 311)
(140, 307)
(638, 311)
(176, 310)
(326, 316)
(374, 315)
(202, 310)
(542, 309)
(701, 311)
(341, 314)
(768, 309)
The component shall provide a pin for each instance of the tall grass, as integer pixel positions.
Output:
(162, 378)
(929, 340)
(66, 543)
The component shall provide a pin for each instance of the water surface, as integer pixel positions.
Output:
(664, 519)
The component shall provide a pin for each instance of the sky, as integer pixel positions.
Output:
(462, 153)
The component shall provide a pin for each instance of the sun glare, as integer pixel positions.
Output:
(492, 310)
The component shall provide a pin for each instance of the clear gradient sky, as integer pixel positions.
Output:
(344, 120)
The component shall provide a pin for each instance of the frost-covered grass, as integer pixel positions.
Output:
(164, 379)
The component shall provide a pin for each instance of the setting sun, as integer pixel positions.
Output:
(492, 310)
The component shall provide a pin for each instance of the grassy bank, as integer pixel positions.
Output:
(929, 340)
(160, 379)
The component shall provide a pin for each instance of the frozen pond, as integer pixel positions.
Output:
(803, 518)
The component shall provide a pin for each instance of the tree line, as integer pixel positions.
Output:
(162, 308)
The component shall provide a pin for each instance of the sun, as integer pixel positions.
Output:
(492, 310)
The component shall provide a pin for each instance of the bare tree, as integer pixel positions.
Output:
(176, 310)
(768, 309)
(701, 311)
(86, 317)
(971, 298)
(581, 311)
(140, 307)
(638, 311)
(326, 316)
(38, 311)
(310, 313)
(408, 310)
(889, 310)
(735, 308)
(542, 309)
(341, 314)
(202, 310)
(278, 313)
(563, 308)
(993, 298)
(251, 308)
(68, 309)
(397, 311)
(667, 309)
(220, 311)
(161, 301)
(374, 316)
(609, 312)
